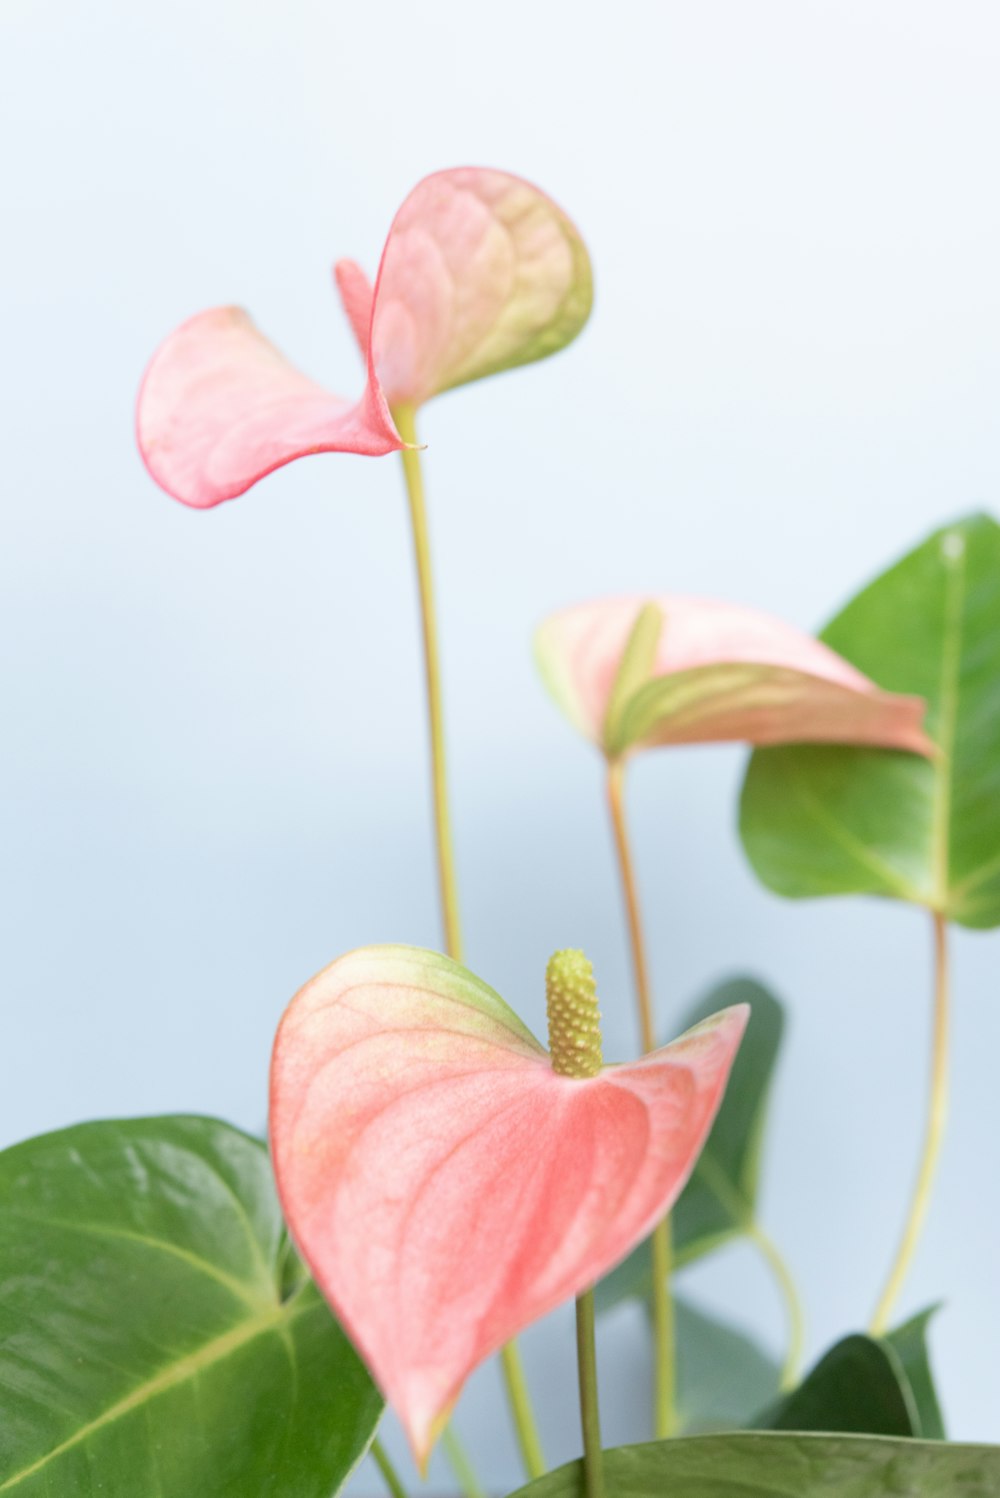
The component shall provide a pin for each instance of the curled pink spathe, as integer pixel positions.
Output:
(714, 672)
(480, 272)
(445, 1186)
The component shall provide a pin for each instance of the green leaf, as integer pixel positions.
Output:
(829, 820)
(778, 1465)
(723, 1377)
(720, 1200)
(156, 1335)
(859, 1386)
(909, 1343)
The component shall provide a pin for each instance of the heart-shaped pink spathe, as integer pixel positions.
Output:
(444, 1185)
(718, 672)
(480, 272)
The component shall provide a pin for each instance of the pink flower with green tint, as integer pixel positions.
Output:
(480, 272)
(448, 1180)
(636, 672)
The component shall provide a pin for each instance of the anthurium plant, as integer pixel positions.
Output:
(186, 1310)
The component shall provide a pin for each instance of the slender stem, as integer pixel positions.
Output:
(937, 1112)
(626, 868)
(460, 1464)
(590, 1418)
(405, 425)
(793, 1306)
(517, 1391)
(387, 1470)
(519, 1399)
(664, 1333)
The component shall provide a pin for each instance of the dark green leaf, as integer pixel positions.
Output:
(909, 1343)
(723, 1378)
(858, 1386)
(157, 1339)
(720, 1200)
(827, 820)
(776, 1465)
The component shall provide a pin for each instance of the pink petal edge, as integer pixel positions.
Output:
(445, 1186)
(812, 695)
(220, 408)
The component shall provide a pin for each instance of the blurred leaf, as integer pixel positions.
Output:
(156, 1336)
(909, 1343)
(720, 1200)
(828, 820)
(859, 1386)
(778, 1465)
(723, 1377)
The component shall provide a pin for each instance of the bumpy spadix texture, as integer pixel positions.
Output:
(632, 672)
(445, 1186)
(480, 272)
(573, 1016)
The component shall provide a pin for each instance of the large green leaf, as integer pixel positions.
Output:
(858, 1386)
(779, 1465)
(828, 820)
(723, 1378)
(157, 1338)
(720, 1200)
(909, 1343)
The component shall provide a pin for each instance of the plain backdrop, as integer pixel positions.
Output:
(214, 759)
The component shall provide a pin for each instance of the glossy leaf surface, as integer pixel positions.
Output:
(718, 672)
(832, 821)
(480, 272)
(779, 1465)
(444, 1184)
(719, 1202)
(859, 1387)
(154, 1338)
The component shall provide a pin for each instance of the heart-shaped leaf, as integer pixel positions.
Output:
(445, 1185)
(779, 1465)
(480, 272)
(719, 1202)
(859, 1386)
(836, 820)
(155, 1337)
(723, 1377)
(716, 672)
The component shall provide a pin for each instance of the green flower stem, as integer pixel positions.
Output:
(590, 1419)
(517, 1393)
(519, 1399)
(664, 1333)
(387, 1470)
(406, 426)
(793, 1306)
(460, 1464)
(937, 1112)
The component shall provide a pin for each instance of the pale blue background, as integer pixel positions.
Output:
(213, 751)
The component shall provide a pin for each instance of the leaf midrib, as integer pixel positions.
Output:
(242, 1291)
(189, 1366)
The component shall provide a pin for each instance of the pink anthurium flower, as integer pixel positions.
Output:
(447, 1179)
(481, 272)
(637, 672)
